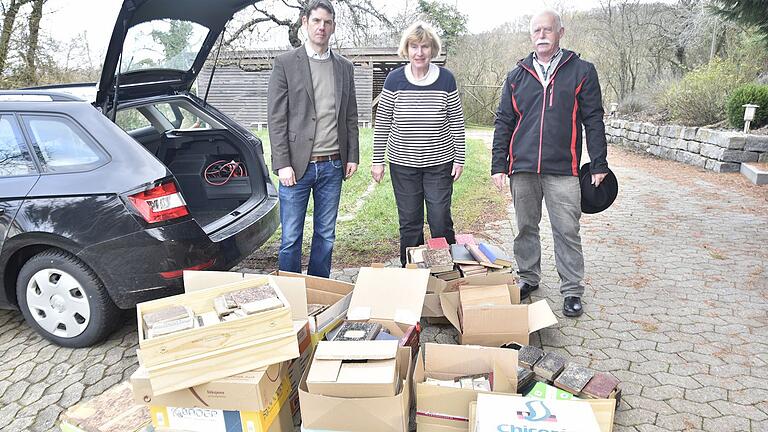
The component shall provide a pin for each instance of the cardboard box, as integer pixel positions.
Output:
(337, 369)
(377, 414)
(433, 308)
(275, 417)
(249, 391)
(497, 325)
(191, 357)
(336, 294)
(393, 297)
(497, 412)
(445, 408)
(603, 409)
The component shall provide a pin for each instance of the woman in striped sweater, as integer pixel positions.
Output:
(420, 129)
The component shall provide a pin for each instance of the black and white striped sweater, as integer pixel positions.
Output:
(419, 125)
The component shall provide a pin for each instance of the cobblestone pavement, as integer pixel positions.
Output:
(676, 308)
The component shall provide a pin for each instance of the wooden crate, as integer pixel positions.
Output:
(195, 356)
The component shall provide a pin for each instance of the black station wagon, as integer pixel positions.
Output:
(104, 204)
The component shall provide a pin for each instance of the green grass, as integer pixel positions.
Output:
(372, 235)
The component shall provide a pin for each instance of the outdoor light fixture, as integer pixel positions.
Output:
(614, 108)
(749, 115)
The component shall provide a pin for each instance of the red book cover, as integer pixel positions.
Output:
(437, 243)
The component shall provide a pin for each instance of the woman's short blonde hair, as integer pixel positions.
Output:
(419, 32)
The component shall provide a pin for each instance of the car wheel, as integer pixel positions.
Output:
(64, 300)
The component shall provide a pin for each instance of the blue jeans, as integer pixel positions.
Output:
(323, 180)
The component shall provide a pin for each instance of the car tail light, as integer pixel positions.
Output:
(173, 274)
(160, 203)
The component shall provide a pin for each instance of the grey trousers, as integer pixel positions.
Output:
(563, 198)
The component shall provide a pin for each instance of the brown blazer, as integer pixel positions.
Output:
(291, 111)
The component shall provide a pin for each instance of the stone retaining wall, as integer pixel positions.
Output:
(720, 151)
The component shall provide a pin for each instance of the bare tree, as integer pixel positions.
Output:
(10, 10)
(33, 41)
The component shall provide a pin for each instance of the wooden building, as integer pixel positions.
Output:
(239, 86)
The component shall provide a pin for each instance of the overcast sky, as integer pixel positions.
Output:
(64, 19)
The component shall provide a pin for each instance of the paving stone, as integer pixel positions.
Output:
(731, 423)
(679, 422)
(706, 394)
(663, 392)
(745, 411)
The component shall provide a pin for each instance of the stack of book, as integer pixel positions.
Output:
(435, 256)
(479, 258)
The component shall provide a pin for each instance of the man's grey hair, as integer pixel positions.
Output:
(551, 12)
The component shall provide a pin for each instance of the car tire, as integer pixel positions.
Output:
(65, 301)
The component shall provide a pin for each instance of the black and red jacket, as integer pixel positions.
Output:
(539, 130)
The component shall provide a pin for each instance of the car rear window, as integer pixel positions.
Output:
(61, 145)
(15, 159)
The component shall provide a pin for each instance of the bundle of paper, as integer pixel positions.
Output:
(168, 320)
(244, 302)
(356, 331)
(483, 382)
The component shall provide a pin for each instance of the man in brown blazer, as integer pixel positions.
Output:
(312, 118)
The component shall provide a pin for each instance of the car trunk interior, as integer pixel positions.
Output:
(214, 173)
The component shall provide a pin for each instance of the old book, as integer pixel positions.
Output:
(529, 355)
(573, 378)
(461, 255)
(260, 305)
(496, 255)
(162, 328)
(463, 239)
(600, 386)
(315, 309)
(438, 260)
(252, 295)
(442, 383)
(550, 366)
(357, 331)
(449, 275)
(437, 243)
(416, 256)
(480, 256)
(170, 313)
(221, 307)
(111, 411)
(524, 377)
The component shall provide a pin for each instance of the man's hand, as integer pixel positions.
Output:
(598, 178)
(456, 171)
(351, 169)
(287, 176)
(377, 172)
(499, 179)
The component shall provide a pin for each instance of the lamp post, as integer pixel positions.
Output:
(749, 115)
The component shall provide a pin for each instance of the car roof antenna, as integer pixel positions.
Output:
(213, 68)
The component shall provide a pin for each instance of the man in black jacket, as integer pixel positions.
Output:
(545, 101)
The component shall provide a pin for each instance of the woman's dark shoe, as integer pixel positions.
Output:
(572, 307)
(525, 290)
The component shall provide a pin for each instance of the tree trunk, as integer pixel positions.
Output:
(5, 34)
(34, 39)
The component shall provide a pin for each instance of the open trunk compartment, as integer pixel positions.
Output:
(215, 172)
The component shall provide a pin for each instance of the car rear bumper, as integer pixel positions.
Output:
(131, 266)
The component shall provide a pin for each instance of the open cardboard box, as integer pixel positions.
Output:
(432, 305)
(392, 297)
(370, 414)
(354, 369)
(497, 325)
(199, 355)
(445, 408)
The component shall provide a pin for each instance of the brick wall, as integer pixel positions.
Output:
(720, 151)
